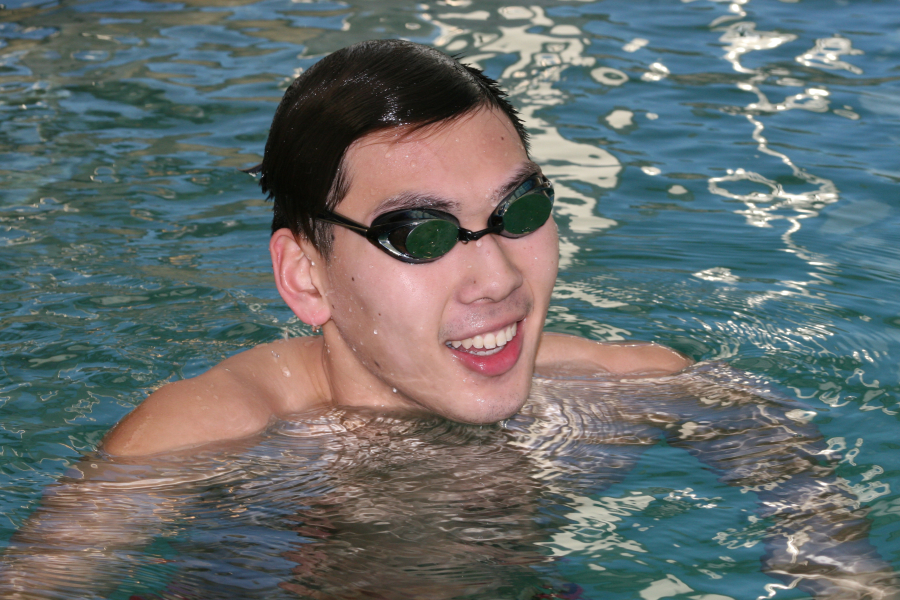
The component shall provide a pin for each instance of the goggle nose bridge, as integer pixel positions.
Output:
(466, 236)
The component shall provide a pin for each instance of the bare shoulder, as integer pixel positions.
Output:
(560, 353)
(235, 399)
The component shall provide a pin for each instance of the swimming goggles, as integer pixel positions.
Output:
(422, 235)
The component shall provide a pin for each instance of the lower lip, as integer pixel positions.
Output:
(494, 364)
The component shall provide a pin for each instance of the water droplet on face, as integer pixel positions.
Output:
(375, 331)
(394, 390)
(478, 244)
(275, 354)
(286, 372)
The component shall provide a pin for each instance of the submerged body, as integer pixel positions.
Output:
(352, 503)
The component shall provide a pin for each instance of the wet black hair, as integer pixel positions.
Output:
(365, 88)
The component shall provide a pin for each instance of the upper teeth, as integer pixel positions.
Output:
(488, 340)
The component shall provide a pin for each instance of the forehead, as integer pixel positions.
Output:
(467, 157)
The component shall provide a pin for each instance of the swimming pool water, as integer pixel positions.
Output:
(726, 176)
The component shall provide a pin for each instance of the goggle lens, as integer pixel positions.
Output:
(431, 239)
(527, 214)
(424, 235)
(436, 237)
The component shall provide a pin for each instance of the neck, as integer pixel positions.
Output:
(354, 383)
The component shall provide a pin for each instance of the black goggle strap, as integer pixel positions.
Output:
(335, 219)
(379, 232)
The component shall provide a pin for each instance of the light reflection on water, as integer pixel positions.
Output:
(352, 504)
(726, 186)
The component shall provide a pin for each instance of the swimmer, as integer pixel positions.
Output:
(412, 228)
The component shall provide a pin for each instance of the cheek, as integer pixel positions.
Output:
(380, 294)
(552, 243)
(539, 260)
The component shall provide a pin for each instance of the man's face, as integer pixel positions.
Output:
(396, 323)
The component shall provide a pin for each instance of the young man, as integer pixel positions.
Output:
(412, 228)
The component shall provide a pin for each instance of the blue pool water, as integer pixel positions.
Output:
(727, 183)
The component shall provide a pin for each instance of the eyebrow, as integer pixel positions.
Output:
(522, 172)
(414, 200)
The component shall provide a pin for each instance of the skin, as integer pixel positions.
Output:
(386, 323)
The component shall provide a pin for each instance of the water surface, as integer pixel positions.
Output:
(727, 184)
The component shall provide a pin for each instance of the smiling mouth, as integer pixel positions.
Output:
(487, 344)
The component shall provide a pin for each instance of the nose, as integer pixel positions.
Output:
(490, 273)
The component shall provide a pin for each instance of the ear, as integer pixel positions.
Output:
(299, 273)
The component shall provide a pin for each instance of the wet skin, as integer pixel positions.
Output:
(388, 325)
(391, 321)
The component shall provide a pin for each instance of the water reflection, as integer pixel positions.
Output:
(352, 504)
(772, 198)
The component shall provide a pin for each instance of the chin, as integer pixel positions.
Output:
(486, 412)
